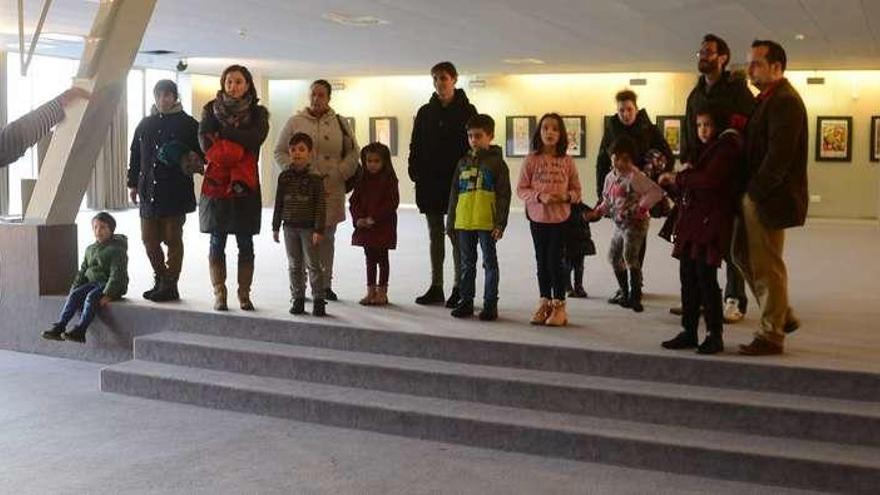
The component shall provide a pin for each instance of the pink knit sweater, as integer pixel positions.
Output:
(542, 173)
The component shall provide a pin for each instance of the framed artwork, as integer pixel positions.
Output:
(576, 127)
(519, 135)
(875, 138)
(672, 126)
(350, 121)
(834, 139)
(384, 130)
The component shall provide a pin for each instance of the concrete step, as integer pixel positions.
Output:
(734, 456)
(687, 368)
(760, 413)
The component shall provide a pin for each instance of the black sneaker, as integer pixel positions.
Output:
(54, 333)
(464, 309)
(712, 345)
(619, 298)
(76, 334)
(298, 307)
(489, 312)
(578, 293)
(330, 295)
(683, 340)
(318, 308)
(454, 299)
(434, 295)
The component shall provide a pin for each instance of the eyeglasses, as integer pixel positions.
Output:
(705, 53)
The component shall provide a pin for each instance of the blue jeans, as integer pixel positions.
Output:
(245, 246)
(85, 299)
(467, 245)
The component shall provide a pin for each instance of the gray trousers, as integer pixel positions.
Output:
(301, 254)
(326, 252)
(626, 245)
(437, 237)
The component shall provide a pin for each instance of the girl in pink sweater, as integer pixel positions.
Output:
(549, 185)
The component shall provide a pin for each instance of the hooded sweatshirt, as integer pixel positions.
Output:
(106, 263)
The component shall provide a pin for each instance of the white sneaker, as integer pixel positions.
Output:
(732, 314)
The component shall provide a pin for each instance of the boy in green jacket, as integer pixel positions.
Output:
(103, 277)
(479, 203)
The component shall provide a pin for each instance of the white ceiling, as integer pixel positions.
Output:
(290, 38)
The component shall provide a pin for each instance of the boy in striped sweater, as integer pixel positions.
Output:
(300, 203)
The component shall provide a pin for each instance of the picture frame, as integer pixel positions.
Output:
(874, 155)
(384, 130)
(672, 128)
(520, 129)
(576, 128)
(834, 138)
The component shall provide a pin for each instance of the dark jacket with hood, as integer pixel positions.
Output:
(730, 92)
(239, 214)
(647, 137)
(776, 157)
(439, 140)
(164, 189)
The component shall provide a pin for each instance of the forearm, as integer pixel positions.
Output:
(23, 133)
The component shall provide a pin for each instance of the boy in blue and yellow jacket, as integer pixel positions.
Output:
(479, 203)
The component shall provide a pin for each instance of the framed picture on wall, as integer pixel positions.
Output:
(519, 135)
(672, 126)
(833, 139)
(576, 127)
(875, 138)
(384, 130)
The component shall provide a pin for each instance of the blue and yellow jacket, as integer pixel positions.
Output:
(479, 198)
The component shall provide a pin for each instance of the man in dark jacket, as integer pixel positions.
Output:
(439, 140)
(775, 196)
(731, 93)
(164, 153)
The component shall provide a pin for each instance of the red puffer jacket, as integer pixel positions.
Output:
(231, 170)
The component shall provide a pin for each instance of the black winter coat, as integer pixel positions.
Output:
(164, 189)
(647, 137)
(439, 140)
(237, 215)
(730, 92)
(578, 237)
(776, 158)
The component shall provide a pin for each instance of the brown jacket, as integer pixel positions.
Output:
(776, 158)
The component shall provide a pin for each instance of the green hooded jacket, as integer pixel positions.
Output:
(106, 263)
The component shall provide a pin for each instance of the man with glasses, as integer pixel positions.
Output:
(718, 86)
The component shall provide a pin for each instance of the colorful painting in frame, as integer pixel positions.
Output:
(833, 139)
(576, 128)
(672, 126)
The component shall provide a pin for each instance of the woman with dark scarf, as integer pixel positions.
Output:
(236, 122)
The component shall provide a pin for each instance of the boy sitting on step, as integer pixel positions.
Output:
(103, 277)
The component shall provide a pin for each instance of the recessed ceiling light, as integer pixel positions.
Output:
(524, 61)
(799, 37)
(348, 20)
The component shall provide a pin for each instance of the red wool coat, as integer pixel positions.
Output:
(376, 196)
(707, 201)
(229, 163)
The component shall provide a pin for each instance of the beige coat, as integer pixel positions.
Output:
(327, 157)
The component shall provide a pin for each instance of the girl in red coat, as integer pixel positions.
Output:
(374, 213)
(704, 227)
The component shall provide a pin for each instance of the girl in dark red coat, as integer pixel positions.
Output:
(704, 228)
(374, 213)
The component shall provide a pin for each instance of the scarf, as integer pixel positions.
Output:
(177, 108)
(233, 112)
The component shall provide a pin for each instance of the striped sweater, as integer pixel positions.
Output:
(300, 201)
(20, 135)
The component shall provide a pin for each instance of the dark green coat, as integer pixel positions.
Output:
(107, 264)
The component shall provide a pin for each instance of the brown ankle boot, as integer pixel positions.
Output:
(541, 313)
(245, 277)
(217, 267)
(381, 298)
(558, 317)
(370, 298)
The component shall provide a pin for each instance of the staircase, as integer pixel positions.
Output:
(795, 427)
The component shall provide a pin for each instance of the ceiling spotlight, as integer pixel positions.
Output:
(359, 21)
(799, 37)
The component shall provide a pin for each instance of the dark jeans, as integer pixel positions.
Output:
(467, 245)
(548, 239)
(245, 246)
(84, 299)
(575, 267)
(699, 287)
(377, 258)
(437, 237)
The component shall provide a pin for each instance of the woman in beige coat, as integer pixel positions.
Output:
(335, 156)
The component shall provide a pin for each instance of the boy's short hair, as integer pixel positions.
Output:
(301, 137)
(624, 145)
(627, 95)
(483, 122)
(107, 219)
(446, 67)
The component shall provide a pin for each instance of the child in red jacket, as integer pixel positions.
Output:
(373, 207)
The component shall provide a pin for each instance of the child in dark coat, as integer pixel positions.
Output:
(373, 206)
(578, 245)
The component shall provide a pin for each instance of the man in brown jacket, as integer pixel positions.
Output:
(775, 196)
